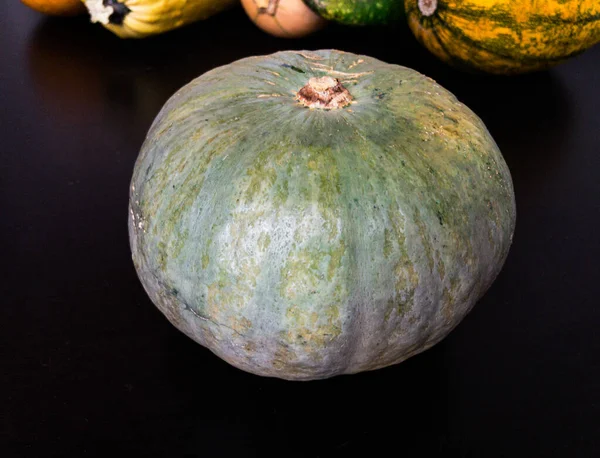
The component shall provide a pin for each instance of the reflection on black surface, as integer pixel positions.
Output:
(64, 73)
(318, 418)
(522, 109)
(528, 116)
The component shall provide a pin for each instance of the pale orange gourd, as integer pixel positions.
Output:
(283, 18)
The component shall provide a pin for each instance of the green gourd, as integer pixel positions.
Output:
(359, 12)
(307, 214)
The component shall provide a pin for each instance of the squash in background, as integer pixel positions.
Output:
(141, 18)
(283, 18)
(56, 7)
(505, 36)
(308, 214)
(359, 12)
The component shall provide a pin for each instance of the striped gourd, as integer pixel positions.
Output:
(505, 36)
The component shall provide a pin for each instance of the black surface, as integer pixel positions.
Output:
(91, 368)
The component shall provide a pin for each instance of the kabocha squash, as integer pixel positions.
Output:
(283, 18)
(56, 7)
(141, 18)
(307, 214)
(505, 36)
(358, 12)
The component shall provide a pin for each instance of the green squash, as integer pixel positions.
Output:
(308, 214)
(358, 12)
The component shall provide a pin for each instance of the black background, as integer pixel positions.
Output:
(91, 368)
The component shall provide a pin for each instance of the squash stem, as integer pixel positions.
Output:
(107, 11)
(270, 8)
(325, 92)
(427, 7)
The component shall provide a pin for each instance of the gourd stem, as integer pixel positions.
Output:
(270, 9)
(107, 11)
(120, 10)
(427, 7)
(325, 92)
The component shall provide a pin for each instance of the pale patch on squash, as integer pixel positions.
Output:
(177, 242)
(284, 359)
(240, 325)
(407, 280)
(262, 175)
(264, 241)
(212, 308)
(205, 260)
(315, 337)
(226, 298)
(249, 347)
(308, 329)
(311, 268)
(301, 274)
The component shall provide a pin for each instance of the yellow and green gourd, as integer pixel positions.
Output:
(142, 18)
(505, 36)
(309, 214)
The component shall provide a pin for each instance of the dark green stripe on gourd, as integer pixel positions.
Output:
(359, 12)
(307, 242)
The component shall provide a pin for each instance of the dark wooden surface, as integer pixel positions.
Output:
(91, 368)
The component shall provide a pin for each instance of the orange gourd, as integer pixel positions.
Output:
(56, 7)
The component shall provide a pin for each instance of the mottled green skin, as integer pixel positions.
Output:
(358, 12)
(304, 243)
